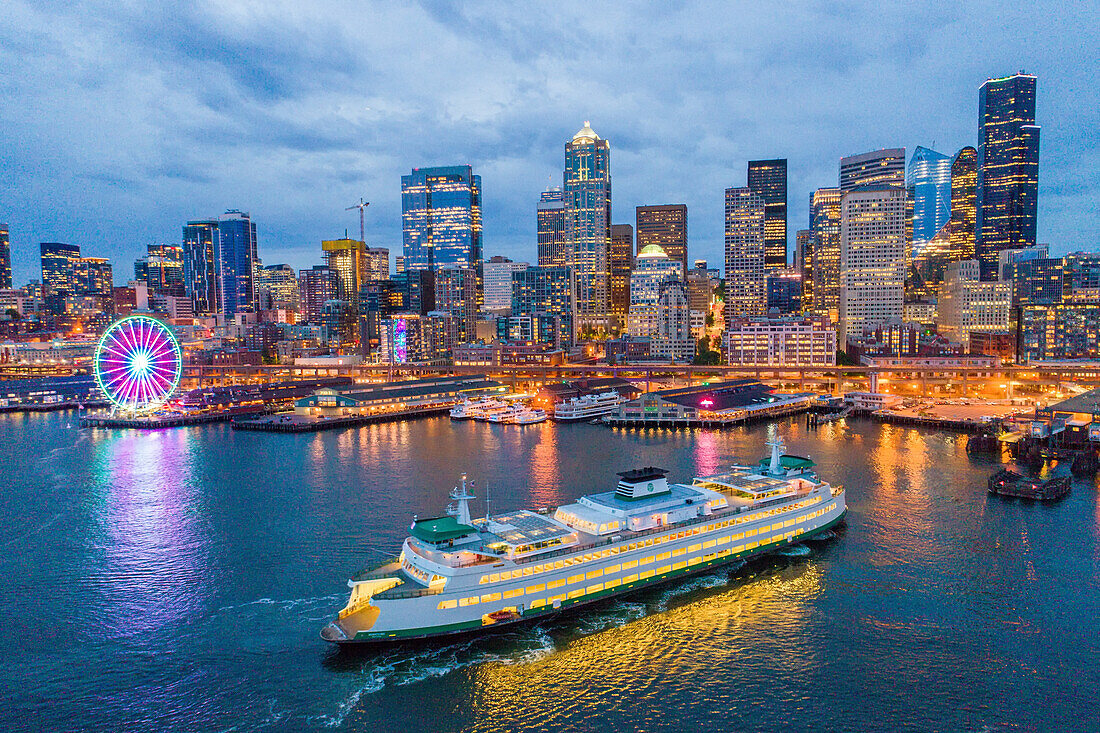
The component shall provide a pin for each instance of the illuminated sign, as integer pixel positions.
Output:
(400, 345)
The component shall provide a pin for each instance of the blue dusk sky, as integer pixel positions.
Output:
(121, 120)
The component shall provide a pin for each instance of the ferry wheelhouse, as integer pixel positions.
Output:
(456, 574)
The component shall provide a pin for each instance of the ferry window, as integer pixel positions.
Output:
(695, 548)
(447, 604)
(594, 588)
(612, 569)
(750, 532)
(678, 551)
(538, 603)
(630, 578)
(576, 593)
(494, 577)
(722, 540)
(646, 560)
(709, 544)
(575, 578)
(664, 556)
(528, 571)
(555, 584)
(611, 584)
(468, 601)
(680, 565)
(738, 548)
(536, 588)
(646, 574)
(710, 556)
(593, 574)
(723, 553)
(484, 579)
(739, 537)
(513, 593)
(629, 565)
(663, 569)
(489, 597)
(559, 564)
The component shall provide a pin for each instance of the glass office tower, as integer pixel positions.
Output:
(769, 179)
(552, 237)
(5, 258)
(441, 218)
(200, 254)
(666, 227)
(964, 183)
(236, 262)
(587, 193)
(929, 179)
(1008, 169)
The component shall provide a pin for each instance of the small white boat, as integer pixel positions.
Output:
(530, 416)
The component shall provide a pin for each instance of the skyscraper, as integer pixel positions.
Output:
(5, 258)
(745, 268)
(825, 228)
(456, 294)
(161, 269)
(236, 262)
(277, 288)
(885, 167)
(441, 218)
(1008, 169)
(552, 237)
(316, 286)
(666, 227)
(200, 257)
(587, 195)
(804, 264)
(58, 273)
(621, 264)
(769, 179)
(964, 183)
(546, 290)
(929, 178)
(498, 282)
(347, 258)
(872, 258)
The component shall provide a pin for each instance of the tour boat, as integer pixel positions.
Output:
(456, 574)
(587, 407)
(475, 409)
(529, 416)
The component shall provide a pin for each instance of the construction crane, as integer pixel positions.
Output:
(362, 206)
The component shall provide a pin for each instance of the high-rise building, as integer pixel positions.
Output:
(929, 178)
(1008, 169)
(652, 268)
(550, 290)
(666, 227)
(441, 218)
(804, 266)
(236, 262)
(456, 294)
(498, 282)
(348, 259)
(316, 287)
(872, 258)
(621, 264)
(673, 339)
(879, 167)
(161, 269)
(964, 184)
(825, 226)
(200, 263)
(93, 276)
(745, 263)
(769, 179)
(784, 291)
(376, 262)
(417, 290)
(587, 195)
(5, 258)
(277, 288)
(967, 304)
(552, 236)
(398, 264)
(58, 273)
(780, 341)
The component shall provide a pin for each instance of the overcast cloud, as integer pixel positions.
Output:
(121, 120)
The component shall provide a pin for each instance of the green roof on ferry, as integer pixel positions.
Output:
(788, 462)
(440, 529)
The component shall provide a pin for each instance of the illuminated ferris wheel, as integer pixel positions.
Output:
(138, 363)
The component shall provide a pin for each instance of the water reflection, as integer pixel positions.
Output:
(153, 534)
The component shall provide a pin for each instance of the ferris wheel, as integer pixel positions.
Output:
(138, 363)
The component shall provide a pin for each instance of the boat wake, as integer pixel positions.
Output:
(400, 667)
(795, 551)
(826, 535)
(719, 578)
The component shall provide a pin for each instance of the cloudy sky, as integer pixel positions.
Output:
(120, 120)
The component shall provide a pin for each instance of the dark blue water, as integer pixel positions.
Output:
(177, 580)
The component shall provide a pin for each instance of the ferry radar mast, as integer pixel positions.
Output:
(461, 509)
(775, 468)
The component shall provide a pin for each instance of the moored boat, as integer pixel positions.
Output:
(587, 407)
(456, 574)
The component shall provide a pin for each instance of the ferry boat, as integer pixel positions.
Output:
(587, 407)
(459, 575)
(476, 409)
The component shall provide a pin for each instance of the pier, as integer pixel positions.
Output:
(293, 423)
(740, 418)
(155, 422)
(1008, 483)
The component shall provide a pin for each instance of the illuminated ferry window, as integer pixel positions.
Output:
(576, 593)
(630, 578)
(594, 588)
(447, 604)
(695, 548)
(612, 584)
(646, 574)
(593, 574)
(555, 584)
(663, 569)
(575, 579)
(612, 569)
(536, 588)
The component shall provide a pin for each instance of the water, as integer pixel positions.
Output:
(177, 580)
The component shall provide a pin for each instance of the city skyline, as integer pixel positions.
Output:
(300, 174)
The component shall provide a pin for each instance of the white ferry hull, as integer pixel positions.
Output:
(713, 542)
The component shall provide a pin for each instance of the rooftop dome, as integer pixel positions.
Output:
(586, 133)
(652, 250)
